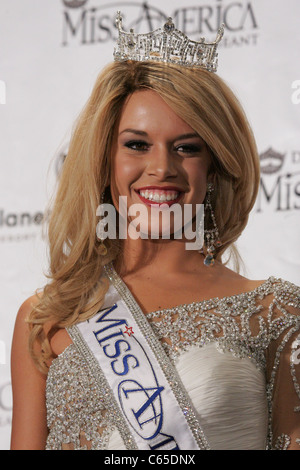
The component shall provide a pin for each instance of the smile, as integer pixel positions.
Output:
(159, 196)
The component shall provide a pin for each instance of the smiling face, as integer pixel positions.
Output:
(157, 157)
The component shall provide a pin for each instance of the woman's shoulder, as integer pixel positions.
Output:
(286, 300)
(59, 341)
(21, 327)
(284, 291)
(272, 290)
(24, 312)
(28, 384)
(282, 288)
(280, 302)
(28, 304)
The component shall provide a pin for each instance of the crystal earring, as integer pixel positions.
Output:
(100, 230)
(211, 237)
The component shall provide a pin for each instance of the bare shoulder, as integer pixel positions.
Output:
(21, 359)
(25, 309)
(29, 427)
(273, 289)
(21, 329)
(59, 341)
(234, 282)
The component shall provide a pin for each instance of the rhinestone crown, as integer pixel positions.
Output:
(167, 44)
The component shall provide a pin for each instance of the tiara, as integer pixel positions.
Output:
(167, 44)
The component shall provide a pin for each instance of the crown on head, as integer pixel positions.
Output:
(167, 44)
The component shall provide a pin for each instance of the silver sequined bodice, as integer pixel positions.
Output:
(229, 354)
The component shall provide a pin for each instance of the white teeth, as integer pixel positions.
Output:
(159, 195)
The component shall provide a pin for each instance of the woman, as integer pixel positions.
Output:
(138, 342)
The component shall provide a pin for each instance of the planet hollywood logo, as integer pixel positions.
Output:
(90, 22)
(20, 226)
(279, 187)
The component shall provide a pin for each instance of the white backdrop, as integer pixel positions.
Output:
(50, 54)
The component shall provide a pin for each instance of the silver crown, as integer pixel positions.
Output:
(167, 44)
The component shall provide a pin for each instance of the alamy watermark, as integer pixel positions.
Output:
(296, 94)
(2, 92)
(156, 221)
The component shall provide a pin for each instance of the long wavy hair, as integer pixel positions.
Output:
(75, 290)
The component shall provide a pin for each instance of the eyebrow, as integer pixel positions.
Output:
(143, 133)
(134, 131)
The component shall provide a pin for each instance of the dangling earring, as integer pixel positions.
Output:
(100, 230)
(211, 237)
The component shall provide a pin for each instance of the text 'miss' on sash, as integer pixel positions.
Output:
(139, 385)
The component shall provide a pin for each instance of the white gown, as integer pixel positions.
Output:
(237, 358)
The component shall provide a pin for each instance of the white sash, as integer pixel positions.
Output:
(155, 407)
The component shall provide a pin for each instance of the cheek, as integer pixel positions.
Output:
(197, 175)
(125, 171)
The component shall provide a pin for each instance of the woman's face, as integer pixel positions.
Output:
(157, 158)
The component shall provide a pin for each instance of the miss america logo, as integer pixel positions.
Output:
(128, 366)
(74, 3)
(91, 22)
(280, 181)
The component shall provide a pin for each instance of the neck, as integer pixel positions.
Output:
(163, 256)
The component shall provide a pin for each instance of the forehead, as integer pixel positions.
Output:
(146, 111)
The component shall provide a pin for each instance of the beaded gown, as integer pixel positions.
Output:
(238, 359)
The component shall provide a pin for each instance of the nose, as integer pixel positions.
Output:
(162, 164)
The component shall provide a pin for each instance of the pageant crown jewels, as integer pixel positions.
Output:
(167, 44)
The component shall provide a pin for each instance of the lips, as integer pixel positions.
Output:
(153, 195)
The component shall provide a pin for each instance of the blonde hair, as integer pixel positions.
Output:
(75, 290)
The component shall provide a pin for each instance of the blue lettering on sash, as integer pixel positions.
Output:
(113, 335)
(166, 440)
(114, 323)
(117, 348)
(125, 364)
(149, 402)
(147, 417)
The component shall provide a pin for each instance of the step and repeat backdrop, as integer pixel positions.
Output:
(50, 54)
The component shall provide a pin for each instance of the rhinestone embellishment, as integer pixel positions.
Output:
(81, 409)
(167, 45)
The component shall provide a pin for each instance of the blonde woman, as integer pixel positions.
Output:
(138, 342)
